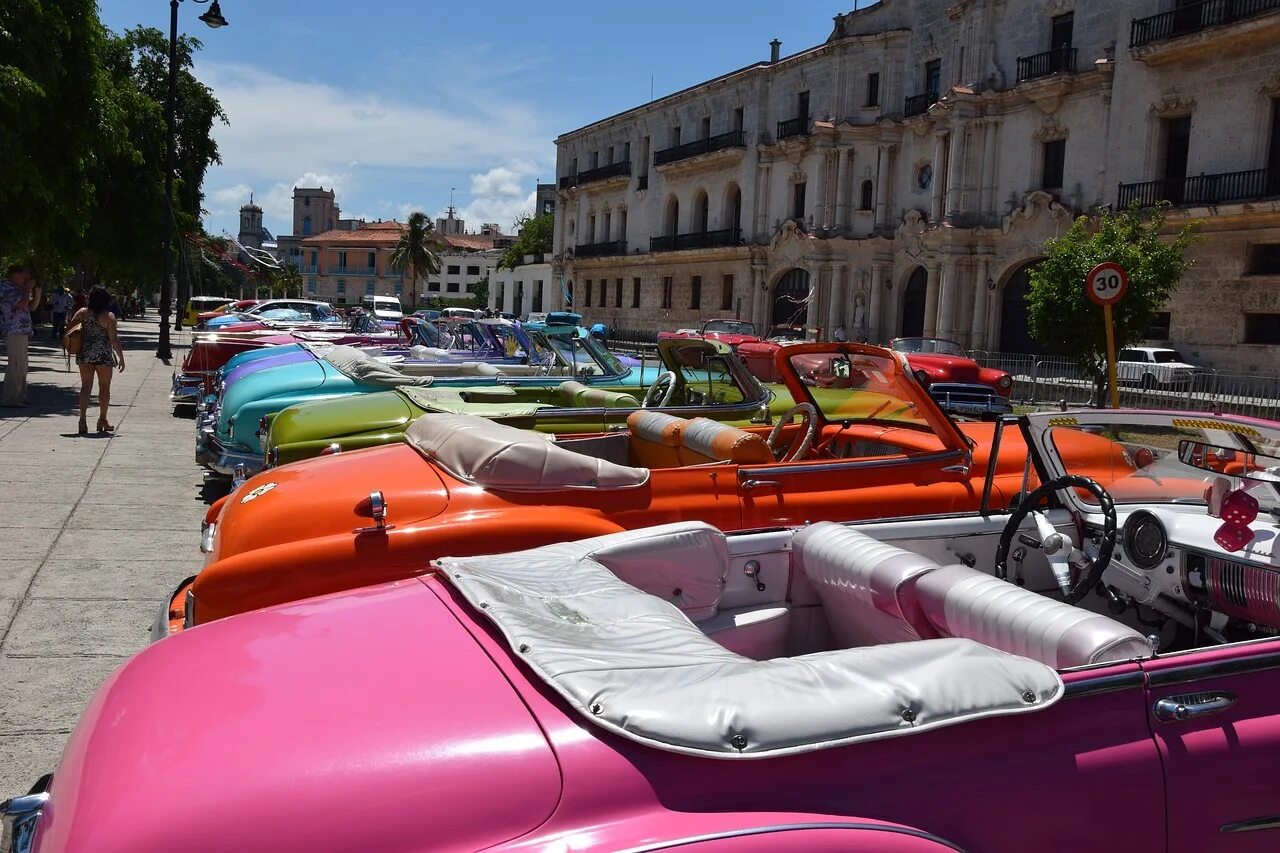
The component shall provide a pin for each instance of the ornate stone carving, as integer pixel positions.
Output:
(1173, 104)
(1035, 205)
(1049, 131)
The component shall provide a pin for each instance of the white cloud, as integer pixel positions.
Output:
(230, 198)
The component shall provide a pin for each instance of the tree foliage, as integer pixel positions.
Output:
(536, 234)
(480, 293)
(82, 140)
(416, 252)
(1065, 321)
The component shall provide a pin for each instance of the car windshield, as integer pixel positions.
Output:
(286, 315)
(705, 374)
(1146, 459)
(585, 353)
(1167, 356)
(927, 345)
(860, 387)
(733, 327)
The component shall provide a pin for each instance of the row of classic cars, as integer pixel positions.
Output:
(822, 633)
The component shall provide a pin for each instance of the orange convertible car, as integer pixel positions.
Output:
(462, 486)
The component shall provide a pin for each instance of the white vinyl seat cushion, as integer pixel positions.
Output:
(866, 586)
(962, 602)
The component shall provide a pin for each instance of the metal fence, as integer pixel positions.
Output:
(1050, 380)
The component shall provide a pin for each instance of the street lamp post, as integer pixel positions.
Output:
(215, 20)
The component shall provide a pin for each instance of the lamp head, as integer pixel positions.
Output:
(214, 16)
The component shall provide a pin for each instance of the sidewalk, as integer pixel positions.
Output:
(94, 533)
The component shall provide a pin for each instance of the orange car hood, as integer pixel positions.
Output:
(329, 496)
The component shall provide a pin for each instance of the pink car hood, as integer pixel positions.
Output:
(368, 720)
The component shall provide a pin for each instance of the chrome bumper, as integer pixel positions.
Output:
(19, 817)
(160, 627)
(237, 464)
(965, 399)
(187, 389)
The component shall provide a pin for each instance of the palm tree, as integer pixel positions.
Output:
(416, 251)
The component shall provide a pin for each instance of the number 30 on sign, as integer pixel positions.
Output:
(1106, 283)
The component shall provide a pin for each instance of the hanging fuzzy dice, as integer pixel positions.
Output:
(1239, 509)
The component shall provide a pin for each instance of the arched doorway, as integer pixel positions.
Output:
(913, 299)
(790, 298)
(733, 209)
(1014, 336)
(671, 222)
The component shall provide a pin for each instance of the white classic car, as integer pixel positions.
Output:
(1155, 367)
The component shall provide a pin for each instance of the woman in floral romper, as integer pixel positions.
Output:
(99, 352)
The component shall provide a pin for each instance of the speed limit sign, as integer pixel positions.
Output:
(1106, 283)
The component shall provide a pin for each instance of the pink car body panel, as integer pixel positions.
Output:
(306, 727)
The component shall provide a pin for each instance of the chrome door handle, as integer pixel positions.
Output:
(1190, 705)
(752, 485)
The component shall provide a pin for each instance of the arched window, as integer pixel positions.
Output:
(733, 209)
(701, 212)
(306, 225)
(671, 224)
(868, 196)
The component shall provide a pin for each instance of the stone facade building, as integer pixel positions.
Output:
(901, 178)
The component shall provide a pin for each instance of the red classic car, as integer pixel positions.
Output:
(727, 331)
(1094, 673)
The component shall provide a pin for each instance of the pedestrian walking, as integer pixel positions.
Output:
(60, 306)
(18, 293)
(99, 351)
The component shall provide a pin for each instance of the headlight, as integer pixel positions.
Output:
(922, 377)
(1005, 381)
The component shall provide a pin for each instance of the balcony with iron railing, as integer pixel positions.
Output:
(720, 142)
(339, 269)
(392, 272)
(793, 127)
(919, 104)
(1060, 60)
(1194, 18)
(1202, 190)
(696, 240)
(608, 249)
(621, 169)
(307, 269)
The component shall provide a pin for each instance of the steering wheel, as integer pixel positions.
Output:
(800, 446)
(655, 395)
(1056, 546)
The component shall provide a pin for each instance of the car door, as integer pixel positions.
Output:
(1215, 714)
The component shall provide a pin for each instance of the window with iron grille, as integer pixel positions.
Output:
(368, 288)
(695, 292)
(635, 293)
(342, 286)
(873, 90)
(1159, 328)
(1262, 328)
(726, 293)
(1055, 156)
(666, 292)
(617, 294)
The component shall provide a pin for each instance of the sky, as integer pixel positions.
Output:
(396, 104)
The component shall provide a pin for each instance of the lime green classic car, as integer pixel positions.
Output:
(700, 379)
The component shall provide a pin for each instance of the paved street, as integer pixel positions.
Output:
(94, 532)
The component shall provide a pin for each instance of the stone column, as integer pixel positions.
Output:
(987, 188)
(955, 172)
(931, 300)
(818, 187)
(880, 190)
(876, 322)
(948, 288)
(759, 300)
(978, 328)
(939, 175)
(838, 310)
(844, 163)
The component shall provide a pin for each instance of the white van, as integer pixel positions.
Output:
(383, 307)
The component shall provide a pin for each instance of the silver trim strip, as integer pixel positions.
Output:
(847, 464)
(792, 827)
(1253, 824)
(1197, 671)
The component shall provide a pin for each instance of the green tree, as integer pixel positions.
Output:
(416, 252)
(536, 233)
(285, 281)
(51, 123)
(1065, 321)
(480, 293)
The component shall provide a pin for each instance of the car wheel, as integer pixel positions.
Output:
(1148, 382)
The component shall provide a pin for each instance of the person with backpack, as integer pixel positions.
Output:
(92, 337)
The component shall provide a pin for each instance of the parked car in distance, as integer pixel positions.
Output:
(198, 305)
(1154, 367)
(536, 317)
(463, 313)
(727, 331)
(428, 314)
(382, 307)
(959, 384)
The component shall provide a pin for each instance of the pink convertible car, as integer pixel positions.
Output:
(1094, 669)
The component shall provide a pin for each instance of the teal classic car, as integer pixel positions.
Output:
(699, 379)
(230, 440)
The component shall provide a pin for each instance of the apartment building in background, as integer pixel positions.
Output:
(902, 177)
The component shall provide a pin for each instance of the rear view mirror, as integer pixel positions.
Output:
(1229, 461)
(840, 368)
